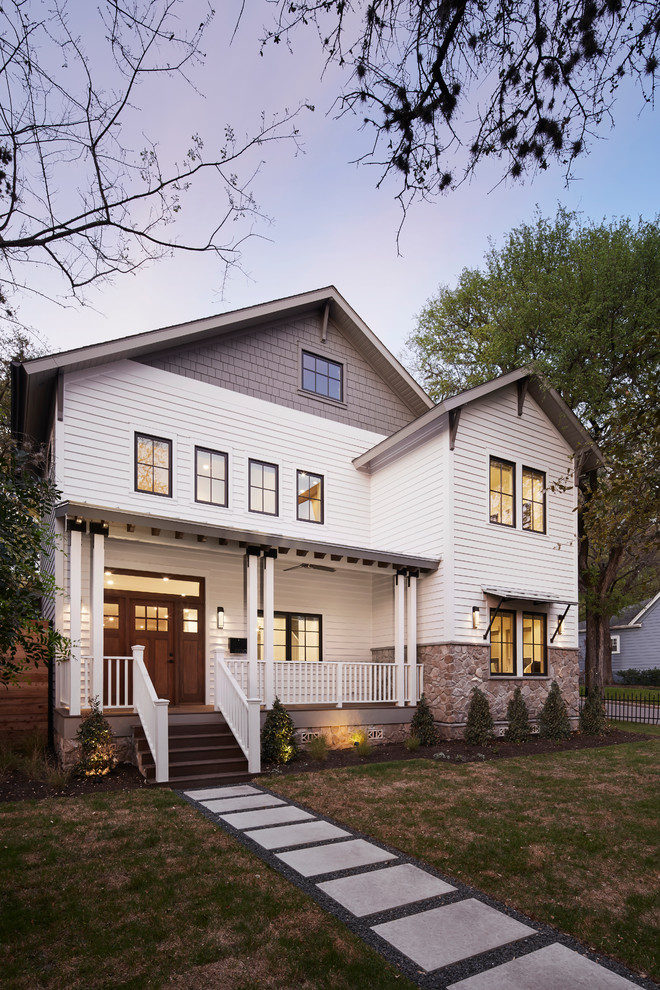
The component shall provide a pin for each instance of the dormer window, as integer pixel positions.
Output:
(322, 376)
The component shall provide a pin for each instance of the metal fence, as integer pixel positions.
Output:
(623, 706)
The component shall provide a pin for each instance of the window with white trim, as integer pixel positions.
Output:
(264, 487)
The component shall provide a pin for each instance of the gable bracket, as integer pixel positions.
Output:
(560, 622)
(324, 326)
(454, 417)
(522, 385)
(493, 617)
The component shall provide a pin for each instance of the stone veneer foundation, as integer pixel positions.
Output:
(452, 670)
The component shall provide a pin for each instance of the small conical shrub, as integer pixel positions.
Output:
(98, 753)
(518, 729)
(422, 725)
(553, 720)
(479, 725)
(592, 716)
(278, 736)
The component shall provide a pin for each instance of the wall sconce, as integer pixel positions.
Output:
(560, 626)
(475, 616)
(221, 617)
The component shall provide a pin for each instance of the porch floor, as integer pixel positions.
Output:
(414, 917)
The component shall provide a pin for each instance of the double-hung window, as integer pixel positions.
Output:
(296, 637)
(310, 497)
(210, 476)
(153, 465)
(264, 485)
(502, 492)
(533, 500)
(322, 376)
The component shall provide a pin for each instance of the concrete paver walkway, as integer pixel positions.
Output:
(441, 934)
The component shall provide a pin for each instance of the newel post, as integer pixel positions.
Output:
(254, 735)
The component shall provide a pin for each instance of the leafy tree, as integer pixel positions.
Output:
(82, 188)
(447, 85)
(579, 303)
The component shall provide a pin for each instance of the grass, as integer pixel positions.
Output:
(570, 838)
(28, 755)
(629, 692)
(138, 890)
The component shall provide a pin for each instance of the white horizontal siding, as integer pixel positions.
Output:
(102, 413)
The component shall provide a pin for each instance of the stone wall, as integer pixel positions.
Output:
(345, 736)
(68, 750)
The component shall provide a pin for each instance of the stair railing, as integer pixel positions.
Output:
(239, 712)
(153, 715)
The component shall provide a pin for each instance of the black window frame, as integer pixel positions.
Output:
(209, 501)
(310, 475)
(262, 512)
(496, 613)
(287, 616)
(542, 474)
(491, 491)
(544, 617)
(138, 435)
(328, 361)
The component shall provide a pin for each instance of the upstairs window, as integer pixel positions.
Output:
(535, 655)
(503, 644)
(210, 476)
(153, 465)
(533, 500)
(322, 376)
(263, 487)
(502, 492)
(310, 497)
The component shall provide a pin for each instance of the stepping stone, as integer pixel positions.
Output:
(448, 934)
(270, 816)
(296, 835)
(552, 968)
(243, 803)
(381, 890)
(206, 793)
(332, 859)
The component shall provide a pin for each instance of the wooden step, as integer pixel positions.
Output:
(200, 754)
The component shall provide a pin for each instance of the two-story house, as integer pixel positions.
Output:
(266, 503)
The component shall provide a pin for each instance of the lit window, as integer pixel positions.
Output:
(111, 615)
(210, 476)
(533, 500)
(323, 377)
(502, 493)
(151, 618)
(503, 644)
(190, 620)
(263, 487)
(310, 497)
(534, 645)
(296, 637)
(153, 465)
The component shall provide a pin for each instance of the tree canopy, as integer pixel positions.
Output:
(442, 86)
(580, 303)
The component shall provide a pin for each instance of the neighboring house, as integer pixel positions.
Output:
(265, 502)
(635, 636)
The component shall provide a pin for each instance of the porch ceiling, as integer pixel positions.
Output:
(227, 535)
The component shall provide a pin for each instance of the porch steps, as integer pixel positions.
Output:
(201, 753)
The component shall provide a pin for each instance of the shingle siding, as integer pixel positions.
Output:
(265, 363)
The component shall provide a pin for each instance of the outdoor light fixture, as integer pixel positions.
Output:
(475, 617)
(560, 626)
(221, 617)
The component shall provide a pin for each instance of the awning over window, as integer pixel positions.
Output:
(539, 598)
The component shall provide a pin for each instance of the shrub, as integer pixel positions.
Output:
(479, 725)
(553, 720)
(518, 729)
(644, 678)
(362, 745)
(278, 736)
(98, 753)
(592, 716)
(412, 744)
(318, 748)
(422, 725)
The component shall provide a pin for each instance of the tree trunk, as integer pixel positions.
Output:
(598, 656)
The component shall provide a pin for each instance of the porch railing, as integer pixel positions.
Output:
(332, 682)
(239, 712)
(153, 715)
(117, 685)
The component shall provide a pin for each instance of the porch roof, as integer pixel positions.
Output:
(228, 534)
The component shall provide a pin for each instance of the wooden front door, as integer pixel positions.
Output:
(171, 629)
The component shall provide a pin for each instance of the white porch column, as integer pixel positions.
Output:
(411, 609)
(75, 624)
(251, 608)
(269, 627)
(97, 565)
(399, 636)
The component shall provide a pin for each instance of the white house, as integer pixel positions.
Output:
(266, 503)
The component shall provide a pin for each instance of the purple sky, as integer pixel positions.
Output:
(330, 224)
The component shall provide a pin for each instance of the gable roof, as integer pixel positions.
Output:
(432, 422)
(634, 614)
(33, 382)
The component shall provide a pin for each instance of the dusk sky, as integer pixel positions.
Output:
(330, 223)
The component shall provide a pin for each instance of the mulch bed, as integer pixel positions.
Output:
(16, 786)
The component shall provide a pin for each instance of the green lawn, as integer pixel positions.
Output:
(570, 839)
(632, 693)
